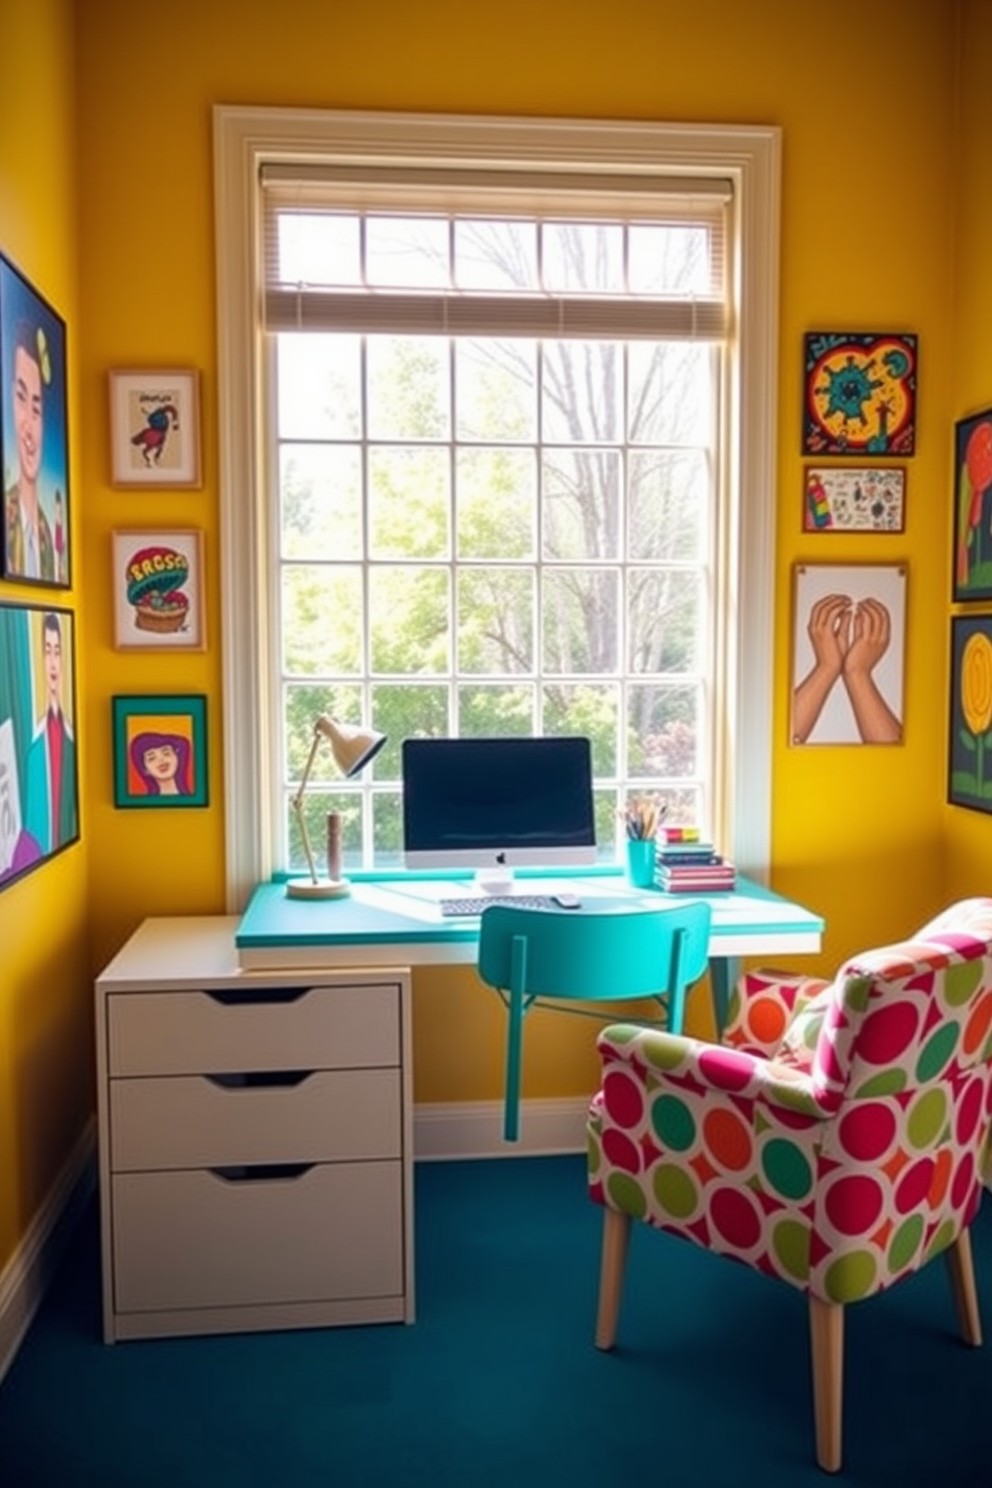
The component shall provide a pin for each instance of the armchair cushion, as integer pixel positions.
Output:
(763, 1007)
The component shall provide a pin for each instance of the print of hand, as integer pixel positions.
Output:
(827, 628)
(848, 640)
(868, 641)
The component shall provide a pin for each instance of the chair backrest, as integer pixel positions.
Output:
(902, 1059)
(914, 1014)
(608, 949)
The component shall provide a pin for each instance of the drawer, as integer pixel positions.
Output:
(239, 1030)
(197, 1239)
(194, 1121)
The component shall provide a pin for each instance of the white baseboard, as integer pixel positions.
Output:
(475, 1129)
(28, 1273)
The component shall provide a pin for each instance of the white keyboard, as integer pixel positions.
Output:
(474, 904)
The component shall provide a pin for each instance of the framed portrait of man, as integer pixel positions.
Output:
(34, 435)
(39, 781)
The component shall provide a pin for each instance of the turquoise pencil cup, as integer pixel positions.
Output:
(640, 862)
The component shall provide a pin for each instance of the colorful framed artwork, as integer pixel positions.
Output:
(39, 782)
(848, 653)
(844, 498)
(859, 393)
(973, 507)
(34, 435)
(969, 754)
(160, 751)
(155, 428)
(158, 590)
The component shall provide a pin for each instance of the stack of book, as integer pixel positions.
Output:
(684, 864)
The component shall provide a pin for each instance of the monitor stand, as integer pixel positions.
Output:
(497, 879)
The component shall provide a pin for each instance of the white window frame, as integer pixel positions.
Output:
(748, 156)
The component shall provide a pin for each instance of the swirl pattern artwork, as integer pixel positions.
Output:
(859, 393)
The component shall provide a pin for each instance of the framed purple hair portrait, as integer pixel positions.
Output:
(160, 751)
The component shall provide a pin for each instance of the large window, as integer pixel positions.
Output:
(488, 458)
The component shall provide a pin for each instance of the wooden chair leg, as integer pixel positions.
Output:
(826, 1326)
(962, 1270)
(616, 1241)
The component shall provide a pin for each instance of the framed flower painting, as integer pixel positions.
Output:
(969, 754)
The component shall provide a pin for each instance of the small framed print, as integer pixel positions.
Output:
(859, 393)
(155, 428)
(848, 652)
(34, 436)
(160, 751)
(973, 507)
(854, 499)
(158, 591)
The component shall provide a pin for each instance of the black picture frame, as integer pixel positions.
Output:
(969, 750)
(39, 776)
(972, 561)
(859, 394)
(34, 430)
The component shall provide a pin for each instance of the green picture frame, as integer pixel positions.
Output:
(160, 751)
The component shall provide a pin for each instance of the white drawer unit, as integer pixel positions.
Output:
(255, 1139)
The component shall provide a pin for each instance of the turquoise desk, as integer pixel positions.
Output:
(395, 921)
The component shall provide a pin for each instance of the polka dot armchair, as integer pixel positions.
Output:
(836, 1138)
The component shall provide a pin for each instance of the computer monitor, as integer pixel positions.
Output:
(497, 804)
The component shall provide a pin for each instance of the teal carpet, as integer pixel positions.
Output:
(497, 1385)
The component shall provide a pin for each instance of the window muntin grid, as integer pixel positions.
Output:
(446, 568)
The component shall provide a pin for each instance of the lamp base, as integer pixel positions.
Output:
(324, 888)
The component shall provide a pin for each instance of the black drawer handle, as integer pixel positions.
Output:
(260, 1172)
(260, 1079)
(255, 996)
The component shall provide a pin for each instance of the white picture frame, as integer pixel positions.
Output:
(848, 667)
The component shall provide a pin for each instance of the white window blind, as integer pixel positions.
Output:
(650, 213)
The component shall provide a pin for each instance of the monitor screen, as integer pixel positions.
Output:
(497, 803)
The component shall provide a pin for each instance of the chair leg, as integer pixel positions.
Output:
(962, 1270)
(826, 1325)
(616, 1240)
(514, 1046)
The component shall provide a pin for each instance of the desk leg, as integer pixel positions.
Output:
(724, 971)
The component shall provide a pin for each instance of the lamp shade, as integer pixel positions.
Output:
(352, 747)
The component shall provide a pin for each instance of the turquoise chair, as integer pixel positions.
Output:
(604, 952)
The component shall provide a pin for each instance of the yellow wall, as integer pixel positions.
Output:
(871, 151)
(968, 834)
(46, 1085)
(866, 243)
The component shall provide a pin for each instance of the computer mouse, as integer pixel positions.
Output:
(566, 901)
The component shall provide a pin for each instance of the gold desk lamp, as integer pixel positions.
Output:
(352, 749)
